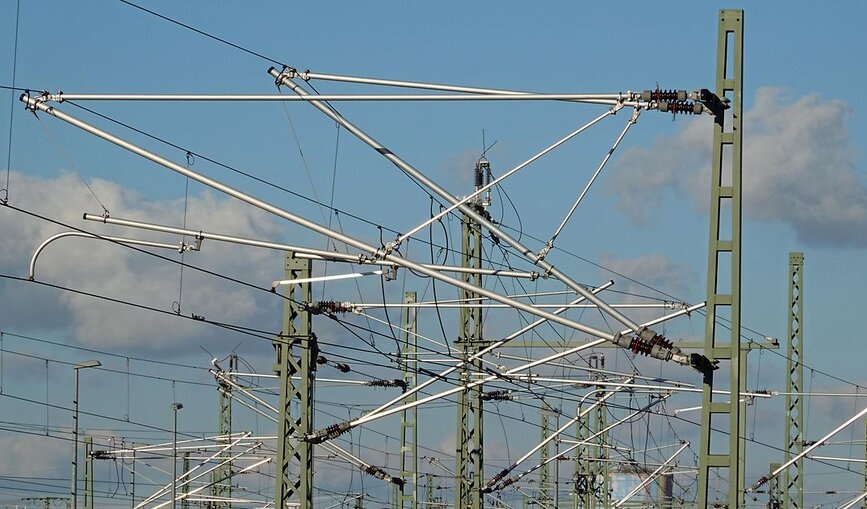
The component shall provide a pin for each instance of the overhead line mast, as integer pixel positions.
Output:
(724, 259)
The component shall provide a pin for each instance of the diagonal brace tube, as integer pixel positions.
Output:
(504, 176)
(631, 122)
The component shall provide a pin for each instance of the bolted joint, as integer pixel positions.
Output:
(544, 251)
(32, 103)
(286, 74)
(385, 250)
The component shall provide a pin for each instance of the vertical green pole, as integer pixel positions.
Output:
(185, 489)
(221, 476)
(132, 479)
(775, 494)
(864, 503)
(297, 332)
(724, 258)
(583, 476)
(469, 472)
(545, 483)
(429, 490)
(599, 468)
(88, 473)
(409, 418)
(794, 475)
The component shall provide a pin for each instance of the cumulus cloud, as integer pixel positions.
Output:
(800, 168)
(106, 269)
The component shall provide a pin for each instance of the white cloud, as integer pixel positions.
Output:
(654, 271)
(30, 455)
(799, 168)
(106, 269)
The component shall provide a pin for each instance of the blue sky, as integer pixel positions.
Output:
(805, 182)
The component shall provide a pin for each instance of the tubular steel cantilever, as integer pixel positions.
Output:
(177, 247)
(646, 341)
(655, 349)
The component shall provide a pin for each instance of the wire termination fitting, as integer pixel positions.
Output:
(714, 103)
(328, 433)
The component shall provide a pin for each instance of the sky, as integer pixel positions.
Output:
(643, 224)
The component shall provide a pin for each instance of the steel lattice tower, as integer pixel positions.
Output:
(724, 259)
(794, 475)
(221, 477)
(409, 418)
(469, 450)
(292, 447)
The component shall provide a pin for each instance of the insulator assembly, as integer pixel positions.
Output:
(332, 431)
(329, 307)
(494, 480)
(660, 95)
(508, 482)
(682, 107)
(649, 343)
(497, 396)
(644, 347)
(397, 382)
(383, 475)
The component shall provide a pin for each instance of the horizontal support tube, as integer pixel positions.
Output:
(32, 272)
(359, 305)
(300, 252)
(585, 98)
